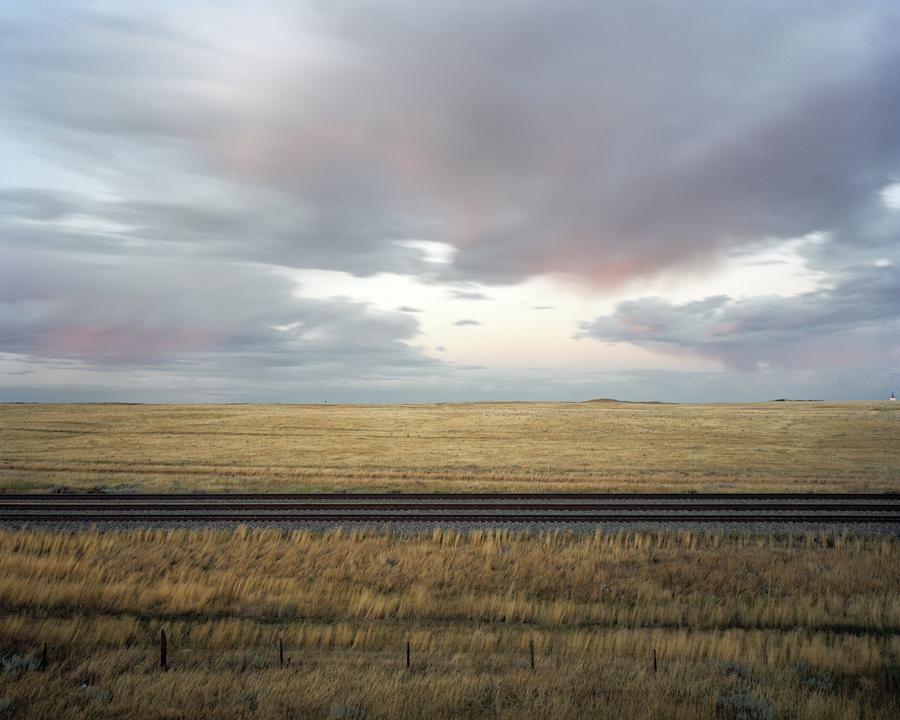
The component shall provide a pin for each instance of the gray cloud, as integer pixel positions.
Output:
(468, 295)
(855, 322)
(600, 139)
(202, 318)
(261, 233)
(464, 323)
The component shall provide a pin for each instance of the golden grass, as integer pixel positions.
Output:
(239, 686)
(459, 688)
(811, 622)
(480, 446)
(699, 581)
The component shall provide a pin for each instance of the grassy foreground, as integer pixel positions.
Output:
(744, 626)
(594, 446)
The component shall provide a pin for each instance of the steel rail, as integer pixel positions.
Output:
(214, 497)
(191, 506)
(891, 518)
(560, 508)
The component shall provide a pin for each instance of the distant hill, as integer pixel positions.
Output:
(794, 400)
(626, 402)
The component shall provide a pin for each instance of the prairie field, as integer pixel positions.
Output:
(743, 626)
(577, 447)
(749, 626)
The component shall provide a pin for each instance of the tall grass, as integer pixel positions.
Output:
(671, 580)
(807, 625)
(343, 684)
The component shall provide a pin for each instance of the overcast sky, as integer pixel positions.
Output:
(413, 201)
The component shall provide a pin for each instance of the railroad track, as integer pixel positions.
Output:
(442, 508)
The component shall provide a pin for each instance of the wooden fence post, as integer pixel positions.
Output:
(654, 660)
(162, 649)
(281, 652)
(531, 652)
(44, 657)
(407, 654)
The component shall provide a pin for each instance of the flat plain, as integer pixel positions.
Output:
(566, 447)
(645, 624)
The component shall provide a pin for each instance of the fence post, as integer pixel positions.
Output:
(281, 652)
(407, 654)
(531, 652)
(654, 660)
(44, 657)
(162, 649)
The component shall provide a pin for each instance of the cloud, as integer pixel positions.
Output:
(463, 323)
(194, 317)
(606, 140)
(890, 196)
(852, 323)
(215, 148)
(468, 295)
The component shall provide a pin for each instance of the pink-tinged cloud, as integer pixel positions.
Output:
(124, 343)
(641, 329)
(725, 328)
(550, 144)
(534, 138)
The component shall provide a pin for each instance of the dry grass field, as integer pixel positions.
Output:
(749, 627)
(744, 626)
(594, 446)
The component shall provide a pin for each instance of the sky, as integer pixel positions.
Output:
(421, 201)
